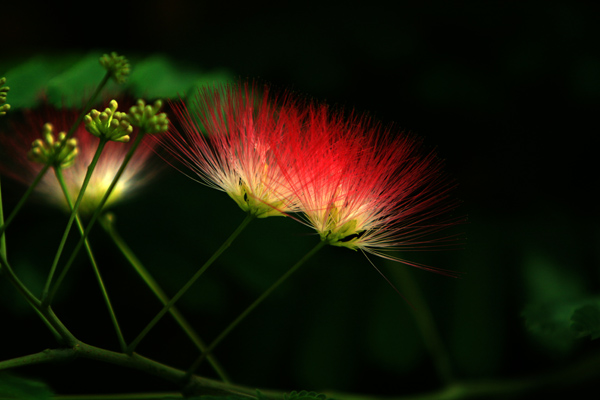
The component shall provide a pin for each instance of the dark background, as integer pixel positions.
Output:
(507, 93)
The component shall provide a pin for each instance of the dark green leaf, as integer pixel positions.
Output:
(159, 77)
(71, 87)
(557, 325)
(586, 321)
(15, 387)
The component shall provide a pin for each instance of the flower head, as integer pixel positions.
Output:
(109, 124)
(58, 151)
(230, 143)
(117, 66)
(3, 91)
(15, 146)
(364, 187)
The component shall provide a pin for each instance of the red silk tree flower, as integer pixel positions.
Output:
(364, 187)
(229, 142)
(15, 145)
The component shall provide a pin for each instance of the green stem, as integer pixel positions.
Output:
(20, 286)
(197, 385)
(44, 169)
(113, 317)
(2, 237)
(72, 218)
(23, 199)
(252, 306)
(47, 315)
(107, 222)
(95, 216)
(190, 282)
(585, 369)
(426, 324)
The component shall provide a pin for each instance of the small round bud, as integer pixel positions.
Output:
(118, 66)
(109, 124)
(53, 151)
(147, 118)
(3, 91)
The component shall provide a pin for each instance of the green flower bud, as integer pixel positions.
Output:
(52, 151)
(3, 91)
(118, 66)
(109, 124)
(147, 118)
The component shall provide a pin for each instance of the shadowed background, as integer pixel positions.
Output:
(507, 93)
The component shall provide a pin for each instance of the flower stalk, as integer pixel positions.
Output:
(88, 248)
(46, 298)
(107, 222)
(251, 307)
(190, 282)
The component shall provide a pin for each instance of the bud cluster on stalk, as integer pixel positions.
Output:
(54, 151)
(117, 66)
(148, 118)
(3, 91)
(109, 124)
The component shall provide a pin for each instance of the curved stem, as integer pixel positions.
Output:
(47, 315)
(2, 237)
(586, 368)
(113, 317)
(23, 199)
(20, 286)
(252, 306)
(427, 326)
(95, 216)
(72, 218)
(190, 282)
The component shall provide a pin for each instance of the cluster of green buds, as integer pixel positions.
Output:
(54, 151)
(118, 66)
(109, 124)
(147, 117)
(3, 91)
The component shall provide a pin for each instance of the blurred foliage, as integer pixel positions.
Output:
(17, 387)
(65, 80)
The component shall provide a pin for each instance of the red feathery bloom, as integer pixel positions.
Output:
(229, 142)
(15, 145)
(363, 187)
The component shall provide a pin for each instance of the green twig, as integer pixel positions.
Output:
(113, 317)
(72, 217)
(427, 326)
(107, 222)
(2, 237)
(47, 315)
(95, 215)
(252, 306)
(190, 282)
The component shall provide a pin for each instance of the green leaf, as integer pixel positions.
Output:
(68, 79)
(586, 321)
(15, 387)
(557, 325)
(159, 77)
(72, 86)
(28, 80)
